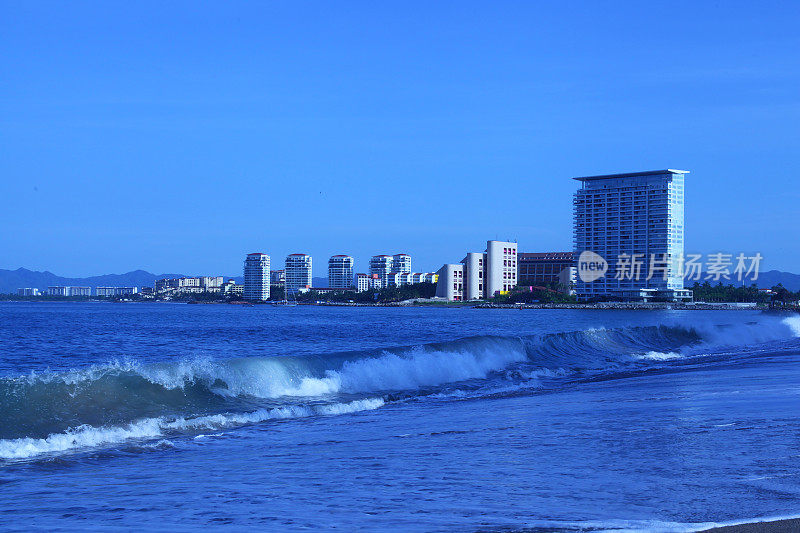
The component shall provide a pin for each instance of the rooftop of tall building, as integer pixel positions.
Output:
(543, 256)
(632, 174)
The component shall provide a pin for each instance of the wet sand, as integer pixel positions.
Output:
(791, 525)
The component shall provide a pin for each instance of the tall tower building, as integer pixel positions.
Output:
(340, 272)
(634, 223)
(382, 266)
(474, 276)
(256, 277)
(401, 263)
(298, 272)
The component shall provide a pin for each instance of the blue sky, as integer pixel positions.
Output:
(177, 137)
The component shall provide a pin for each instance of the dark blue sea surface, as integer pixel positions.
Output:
(176, 417)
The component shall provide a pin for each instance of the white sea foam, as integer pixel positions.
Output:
(418, 368)
(659, 356)
(149, 428)
(794, 324)
(278, 376)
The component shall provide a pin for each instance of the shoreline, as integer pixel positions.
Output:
(442, 304)
(782, 525)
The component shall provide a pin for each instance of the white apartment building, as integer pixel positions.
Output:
(365, 282)
(482, 275)
(451, 283)
(69, 291)
(401, 263)
(28, 291)
(632, 221)
(211, 283)
(298, 272)
(501, 267)
(474, 272)
(58, 291)
(381, 265)
(256, 277)
(384, 265)
(362, 282)
(400, 278)
(340, 272)
(116, 291)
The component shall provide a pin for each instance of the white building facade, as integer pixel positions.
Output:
(501, 267)
(451, 282)
(298, 272)
(28, 291)
(116, 291)
(256, 277)
(401, 263)
(340, 272)
(635, 223)
(381, 265)
(482, 275)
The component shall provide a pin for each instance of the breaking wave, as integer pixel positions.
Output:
(54, 412)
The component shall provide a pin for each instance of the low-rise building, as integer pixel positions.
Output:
(147, 292)
(116, 291)
(188, 285)
(365, 282)
(69, 291)
(400, 278)
(58, 291)
(28, 291)
(548, 268)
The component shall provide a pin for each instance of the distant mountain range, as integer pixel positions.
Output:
(11, 280)
(770, 278)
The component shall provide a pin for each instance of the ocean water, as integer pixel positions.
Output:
(177, 417)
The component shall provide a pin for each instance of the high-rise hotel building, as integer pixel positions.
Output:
(340, 272)
(298, 272)
(256, 277)
(634, 222)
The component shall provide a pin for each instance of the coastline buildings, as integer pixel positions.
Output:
(381, 266)
(480, 275)
(365, 282)
(298, 272)
(256, 276)
(633, 223)
(401, 263)
(537, 269)
(69, 291)
(340, 272)
(28, 291)
(187, 285)
(385, 265)
(116, 291)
